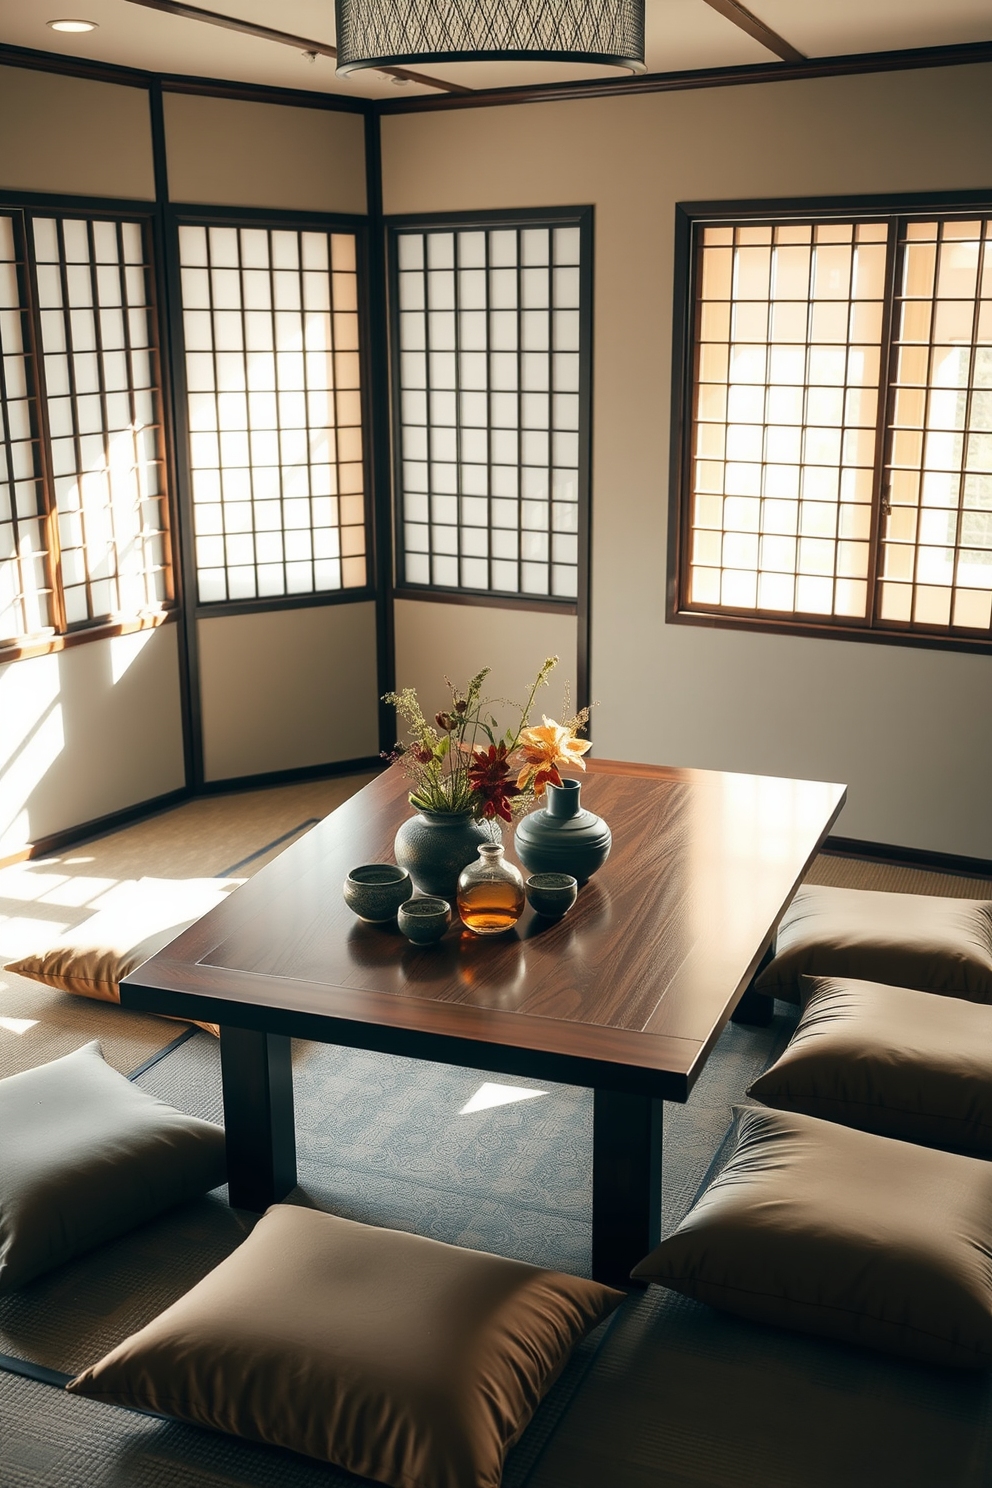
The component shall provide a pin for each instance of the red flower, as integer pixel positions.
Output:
(487, 776)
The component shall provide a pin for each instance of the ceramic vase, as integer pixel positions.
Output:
(564, 837)
(434, 847)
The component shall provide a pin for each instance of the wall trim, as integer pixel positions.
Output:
(960, 55)
(99, 826)
(129, 816)
(302, 773)
(137, 77)
(907, 857)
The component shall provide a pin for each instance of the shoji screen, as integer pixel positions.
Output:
(273, 375)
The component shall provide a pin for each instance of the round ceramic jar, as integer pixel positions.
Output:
(435, 847)
(551, 894)
(424, 920)
(564, 837)
(375, 891)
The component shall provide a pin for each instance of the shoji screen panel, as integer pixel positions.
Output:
(937, 531)
(788, 326)
(488, 334)
(102, 380)
(26, 600)
(273, 375)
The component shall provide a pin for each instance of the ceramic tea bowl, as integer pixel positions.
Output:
(424, 920)
(375, 891)
(551, 894)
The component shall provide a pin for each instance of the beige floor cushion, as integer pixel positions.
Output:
(401, 1359)
(904, 940)
(139, 919)
(889, 1060)
(84, 1156)
(843, 1233)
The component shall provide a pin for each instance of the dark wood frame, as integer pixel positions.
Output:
(688, 217)
(180, 215)
(25, 205)
(584, 219)
(848, 64)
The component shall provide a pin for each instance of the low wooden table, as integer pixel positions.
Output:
(627, 994)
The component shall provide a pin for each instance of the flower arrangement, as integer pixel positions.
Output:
(464, 764)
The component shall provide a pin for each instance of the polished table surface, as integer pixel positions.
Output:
(627, 994)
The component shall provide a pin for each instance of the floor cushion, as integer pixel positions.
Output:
(136, 921)
(820, 1228)
(904, 940)
(889, 1060)
(84, 1156)
(398, 1358)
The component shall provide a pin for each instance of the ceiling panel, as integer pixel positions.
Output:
(133, 36)
(842, 26)
(681, 35)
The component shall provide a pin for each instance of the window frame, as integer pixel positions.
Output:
(691, 217)
(23, 206)
(583, 218)
(192, 214)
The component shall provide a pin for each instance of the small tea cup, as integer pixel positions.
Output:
(424, 920)
(375, 891)
(551, 894)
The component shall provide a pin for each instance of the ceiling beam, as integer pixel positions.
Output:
(286, 38)
(742, 17)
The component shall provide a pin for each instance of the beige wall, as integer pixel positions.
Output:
(909, 729)
(87, 731)
(70, 134)
(287, 688)
(227, 152)
(434, 641)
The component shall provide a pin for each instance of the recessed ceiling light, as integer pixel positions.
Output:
(73, 25)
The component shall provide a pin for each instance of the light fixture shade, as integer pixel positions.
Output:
(393, 33)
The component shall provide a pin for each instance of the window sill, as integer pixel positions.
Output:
(47, 645)
(831, 631)
(486, 600)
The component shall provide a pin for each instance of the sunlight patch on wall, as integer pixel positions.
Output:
(31, 739)
(125, 650)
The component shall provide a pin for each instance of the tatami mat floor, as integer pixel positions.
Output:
(230, 835)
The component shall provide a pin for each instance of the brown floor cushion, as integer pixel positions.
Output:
(903, 940)
(398, 1358)
(84, 1156)
(889, 1060)
(140, 920)
(843, 1233)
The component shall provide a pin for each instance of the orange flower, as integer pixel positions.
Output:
(545, 748)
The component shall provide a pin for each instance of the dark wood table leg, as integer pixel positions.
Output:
(626, 1182)
(754, 1007)
(257, 1073)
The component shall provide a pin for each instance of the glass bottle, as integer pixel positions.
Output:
(490, 892)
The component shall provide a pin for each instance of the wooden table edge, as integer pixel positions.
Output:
(584, 1054)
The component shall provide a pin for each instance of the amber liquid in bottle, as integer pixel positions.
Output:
(491, 905)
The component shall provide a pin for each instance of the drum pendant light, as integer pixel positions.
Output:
(394, 33)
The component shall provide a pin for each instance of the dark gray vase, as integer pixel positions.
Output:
(434, 848)
(564, 837)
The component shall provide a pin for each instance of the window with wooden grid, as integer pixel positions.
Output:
(273, 375)
(104, 413)
(84, 536)
(838, 471)
(25, 568)
(490, 339)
